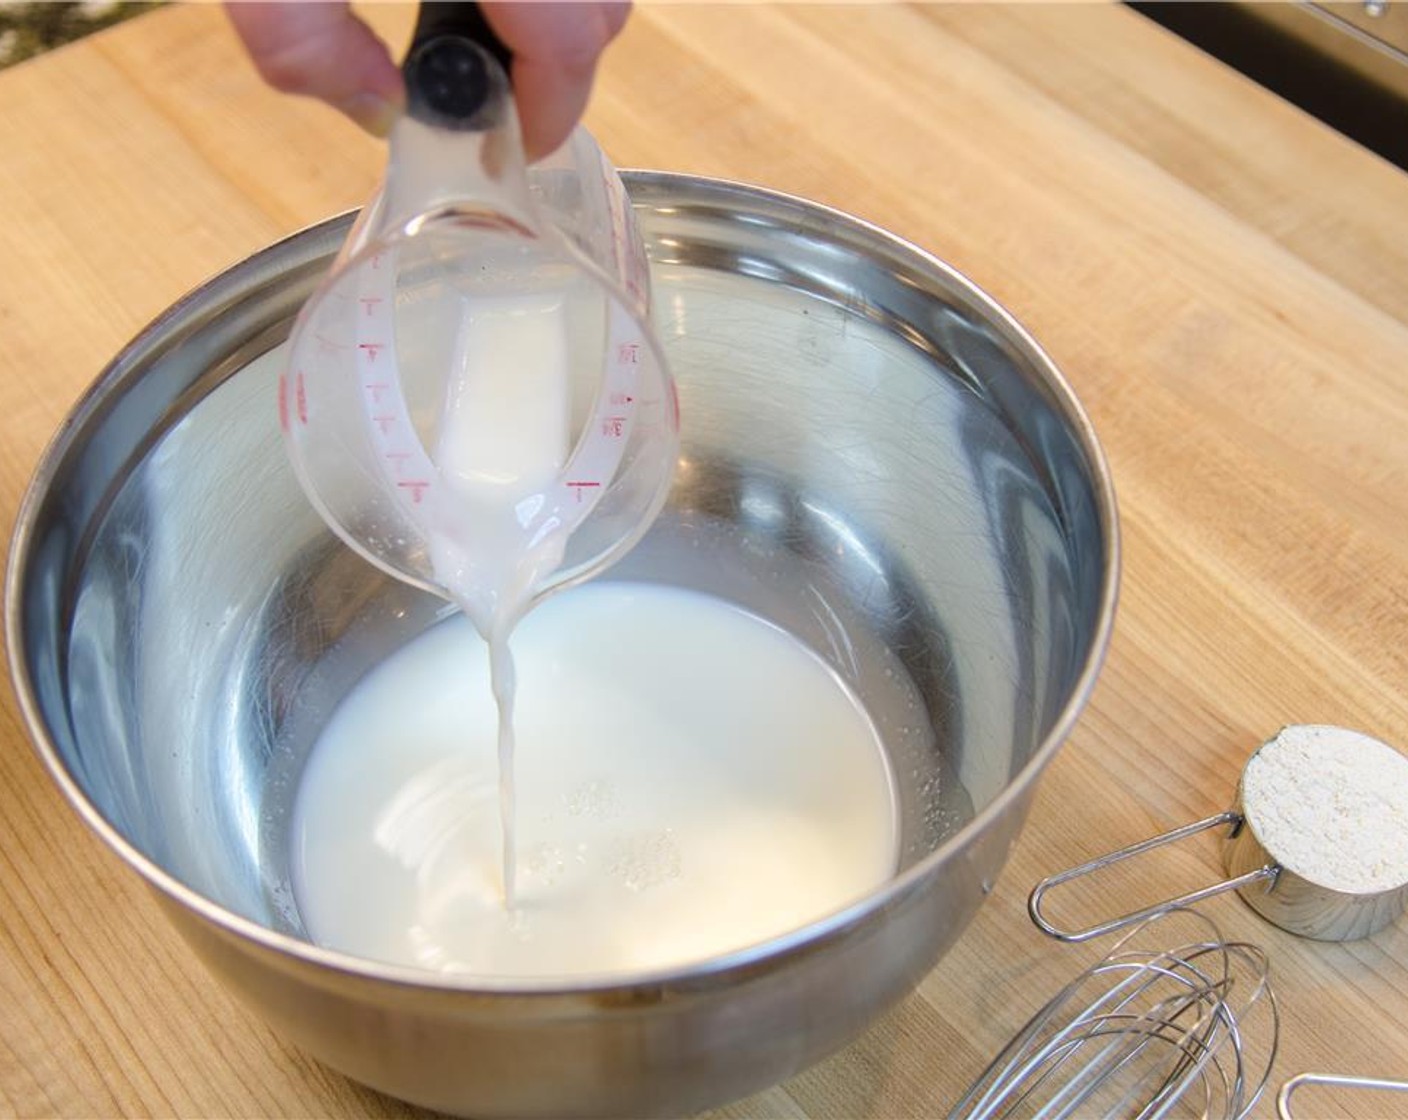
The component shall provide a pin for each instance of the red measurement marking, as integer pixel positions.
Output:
(369, 304)
(372, 349)
(376, 388)
(613, 426)
(397, 459)
(417, 487)
(376, 260)
(300, 397)
(628, 353)
(622, 398)
(578, 487)
(283, 402)
(384, 422)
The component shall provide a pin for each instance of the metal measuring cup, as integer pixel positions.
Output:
(1278, 884)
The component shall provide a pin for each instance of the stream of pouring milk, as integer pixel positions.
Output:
(503, 439)
(675, 778)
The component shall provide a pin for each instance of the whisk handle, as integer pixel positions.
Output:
(1346, 1081)
(1036, 900)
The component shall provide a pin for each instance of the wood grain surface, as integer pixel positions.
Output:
(1223, 280)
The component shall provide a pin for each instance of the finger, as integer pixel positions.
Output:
(555, 48)
(322, 50)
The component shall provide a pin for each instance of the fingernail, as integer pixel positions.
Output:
(373, 113)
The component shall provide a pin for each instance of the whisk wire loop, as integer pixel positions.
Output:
(1143, 1033)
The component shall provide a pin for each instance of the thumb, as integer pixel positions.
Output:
(322, 50)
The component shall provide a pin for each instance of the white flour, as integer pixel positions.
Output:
(1331, 805)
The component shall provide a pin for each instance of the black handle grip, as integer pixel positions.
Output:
(447, 79)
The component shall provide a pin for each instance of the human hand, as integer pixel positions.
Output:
(323, 50)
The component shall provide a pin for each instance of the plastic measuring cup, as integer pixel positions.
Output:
(477, 375)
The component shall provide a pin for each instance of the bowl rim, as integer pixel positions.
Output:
(646, 188)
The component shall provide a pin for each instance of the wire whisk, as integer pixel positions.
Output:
(1143, 1033)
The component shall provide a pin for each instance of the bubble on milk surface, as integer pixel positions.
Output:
(644, 860)
(595, 799)
(542, 863)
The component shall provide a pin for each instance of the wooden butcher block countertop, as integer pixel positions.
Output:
(1223, 280)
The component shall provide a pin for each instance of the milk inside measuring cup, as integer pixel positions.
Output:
(694, 781)
(435, 349)
(460, 228)
(471, 399)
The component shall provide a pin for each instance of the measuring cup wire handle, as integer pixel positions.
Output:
(1036, 899)
(1345, 1080)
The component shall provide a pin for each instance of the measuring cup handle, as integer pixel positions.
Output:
(1039, 892)
(459, 17)
(448, 82)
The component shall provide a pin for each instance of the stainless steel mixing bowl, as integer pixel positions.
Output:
(875, 456)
